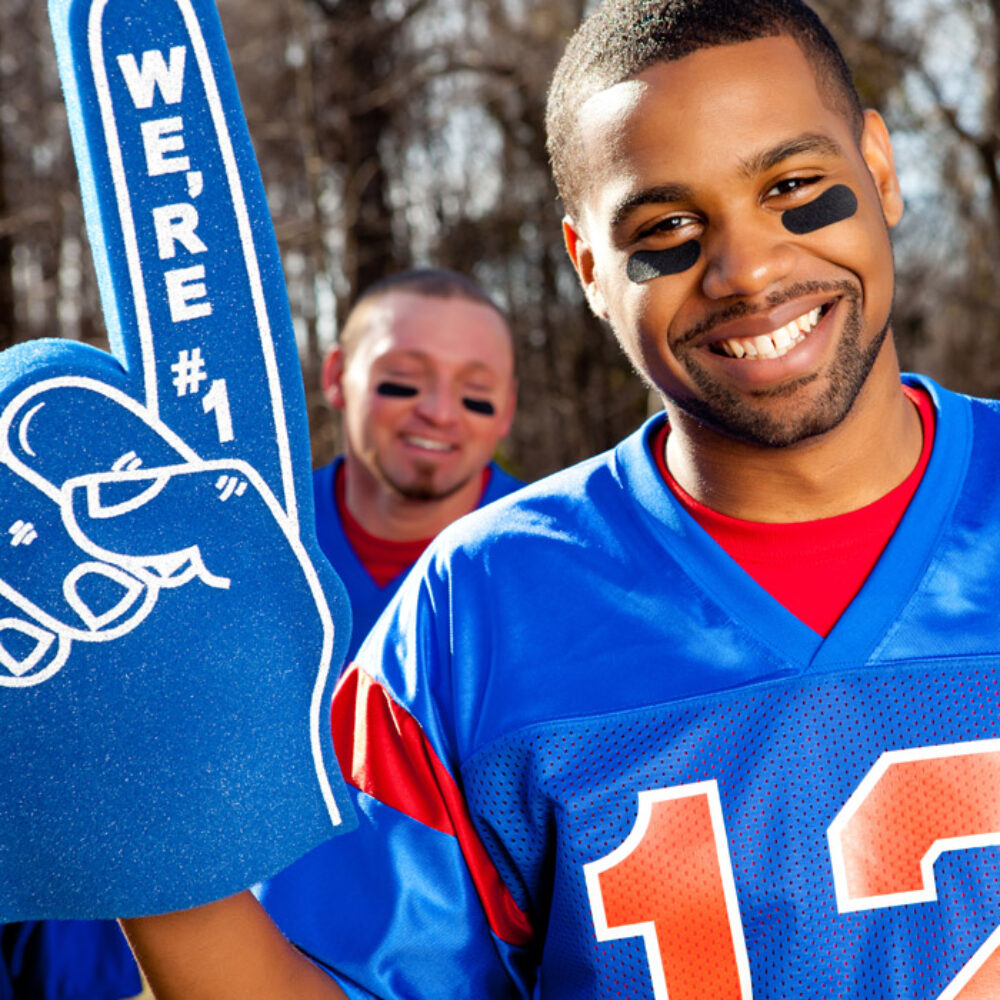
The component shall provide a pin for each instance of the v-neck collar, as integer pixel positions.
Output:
(865, 622)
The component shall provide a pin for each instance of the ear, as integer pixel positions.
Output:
(583, 261)
(876, 148)
(332, 377)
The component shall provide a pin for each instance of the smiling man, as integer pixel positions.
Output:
(716, 714)
(423, 375)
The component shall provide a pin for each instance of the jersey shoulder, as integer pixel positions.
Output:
(501, 483)
(570, 505)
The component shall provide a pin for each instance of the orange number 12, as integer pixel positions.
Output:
(671, 880)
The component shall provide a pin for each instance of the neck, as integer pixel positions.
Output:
(385, 513)
(865, 456)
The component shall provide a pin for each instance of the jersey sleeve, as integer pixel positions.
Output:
(411, 904)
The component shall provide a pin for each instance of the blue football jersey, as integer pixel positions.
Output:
(302, 888)
(368, 599)
(594, 759)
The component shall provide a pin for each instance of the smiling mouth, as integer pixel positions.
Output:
(428, 443)
(775, 344)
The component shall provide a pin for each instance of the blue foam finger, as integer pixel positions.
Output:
(169, 630)
(41, 420)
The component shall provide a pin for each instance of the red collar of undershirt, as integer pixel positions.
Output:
(383, 558)
(814, 568)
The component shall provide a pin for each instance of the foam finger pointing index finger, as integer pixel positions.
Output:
(191, 279)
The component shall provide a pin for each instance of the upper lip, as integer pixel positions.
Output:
(756, 324)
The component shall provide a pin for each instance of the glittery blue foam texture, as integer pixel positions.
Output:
(169, 630)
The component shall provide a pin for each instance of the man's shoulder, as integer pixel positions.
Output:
(947, 400)
(571, 504)
(500, 484)
(328, 525)
(965, 424)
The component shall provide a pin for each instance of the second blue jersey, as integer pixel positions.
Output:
(368, 599)
(303, 887)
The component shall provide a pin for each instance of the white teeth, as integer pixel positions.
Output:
(783, 338)
(766, 348)
(422, 442)
(771, 345)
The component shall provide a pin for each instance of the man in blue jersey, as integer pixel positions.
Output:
(716, 714)
(423, 374)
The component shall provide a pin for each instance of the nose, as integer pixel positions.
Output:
(439, 405)
(745, 259)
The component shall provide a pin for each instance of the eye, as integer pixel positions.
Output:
(669, 226)
(397, 389)
(791, 185)
(482, 406)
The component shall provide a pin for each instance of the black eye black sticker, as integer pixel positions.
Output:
(644, 265)
(483, 406)
(395, 389)
(834, 205)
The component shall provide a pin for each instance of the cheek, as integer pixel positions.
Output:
(861, 247)
(643, 321)
(867, 250)
(482, 432)
(642, 314)
(377, 415)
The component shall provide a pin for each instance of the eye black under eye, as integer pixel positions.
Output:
(395, 389)
(834, 205)
(483, 406)
(645, 265)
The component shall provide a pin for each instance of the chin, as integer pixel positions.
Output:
(427, 489)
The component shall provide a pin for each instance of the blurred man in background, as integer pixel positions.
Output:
(423, 374)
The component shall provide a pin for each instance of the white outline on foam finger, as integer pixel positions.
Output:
(24, 679)
(147, 344)
(11, 413)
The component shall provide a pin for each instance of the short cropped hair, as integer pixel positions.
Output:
(624, 37)
(430, 282)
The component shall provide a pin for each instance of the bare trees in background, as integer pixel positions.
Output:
(404, 132)
(411, 132)
(46, 277)
(931, 67)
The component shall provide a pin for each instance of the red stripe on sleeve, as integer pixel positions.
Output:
(383, 751)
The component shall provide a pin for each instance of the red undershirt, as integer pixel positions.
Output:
(382, 558)
(813, 568)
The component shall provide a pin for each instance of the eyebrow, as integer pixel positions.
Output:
(808, 142)
(758, 163)
(659, 195)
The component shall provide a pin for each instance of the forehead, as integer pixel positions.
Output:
(454, 333)
(699, 120)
